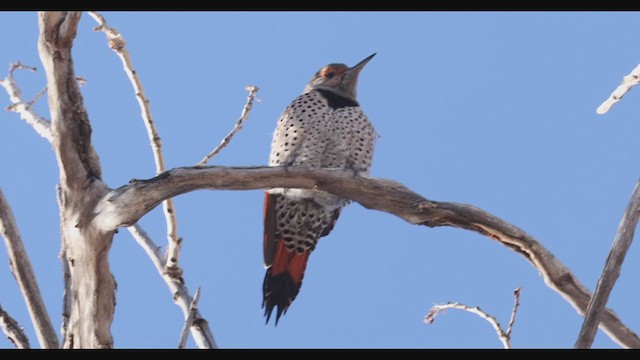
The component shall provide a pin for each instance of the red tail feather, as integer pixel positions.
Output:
(283, 280)
(289, 262)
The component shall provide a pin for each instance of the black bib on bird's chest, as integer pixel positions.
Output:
(337, 101)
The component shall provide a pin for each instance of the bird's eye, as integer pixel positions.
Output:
(329, 75)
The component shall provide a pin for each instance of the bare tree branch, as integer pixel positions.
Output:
(13, 330)
(628, 82)
(193, 308)
(38, 96)
(246, 110)
(125, 205)
(611, 271)
(200, 329)
(22, 271)
(204, 338)
(69, 123)
(503, 336)
(117, 44)
(90, 212)
(171, 272)
(436, 309)
(516, 304)
(86, 248)
(24, 109)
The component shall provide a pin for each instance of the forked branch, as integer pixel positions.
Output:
(503, 336)
(23, 108)
(118, 45)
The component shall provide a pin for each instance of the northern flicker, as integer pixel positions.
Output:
(322, 128)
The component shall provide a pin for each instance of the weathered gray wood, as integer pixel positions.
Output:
(13, 330)
(26, 278)
(86, 248)
(611, 271)
(125, 205)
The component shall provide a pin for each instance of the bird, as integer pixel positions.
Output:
(324, 127)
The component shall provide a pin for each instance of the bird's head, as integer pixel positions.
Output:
(338, 78)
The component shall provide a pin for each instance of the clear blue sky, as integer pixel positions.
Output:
(491, 109)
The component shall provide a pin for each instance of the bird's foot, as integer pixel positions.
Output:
(354, 170)
(286, 167)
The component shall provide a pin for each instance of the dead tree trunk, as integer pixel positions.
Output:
(90, 287)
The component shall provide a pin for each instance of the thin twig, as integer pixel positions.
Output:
(37, 96)
(25, 277)
(504, 337)
(201, 333)
(193, 310)
(171, 271)
(431, 316)
(117, 44)
(25, 109)
(13, 330)
(246, 110)
(628, 82)
(516, 304)
(611, 271)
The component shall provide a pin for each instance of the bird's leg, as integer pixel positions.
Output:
(286, 166)
(351, 166)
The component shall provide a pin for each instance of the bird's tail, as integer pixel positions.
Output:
(283, 280)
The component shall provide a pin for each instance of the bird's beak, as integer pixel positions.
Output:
(362, 63)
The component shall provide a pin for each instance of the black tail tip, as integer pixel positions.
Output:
(268, 310)
(278, 292)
